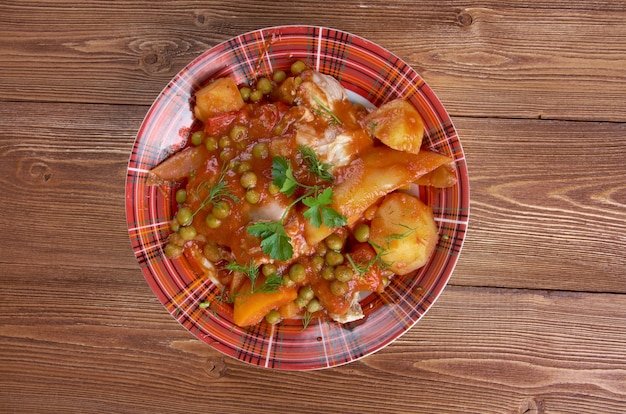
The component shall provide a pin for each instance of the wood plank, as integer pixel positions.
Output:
(517, 228)
(548, 203)
(63, 178)
(556, 59)
(70, 180)
(110, 347)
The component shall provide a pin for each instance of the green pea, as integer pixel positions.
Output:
(256, 96)
(339, 288)
(172, 251)
(272, 317)
(334, 242)
(184, 216)
(181, 196)
(174, 225)
(243, 167)
(288, 282)
(273, 189)
(197, 137)
(343, 273)
(333, 258)
(176, 239)
(297, 273)
(252, 196)
(224, 142)
(269, 269)
(221, 210)
(238, 133)
(306, 293)
(248, 179)
(260, 150)
(298, 67)
(188, 232)
(212, 252)
(227, 154)
(362, 233)
(279, 76)
(300, 303)
(264, 85)
(211, 144)
(245, 93)
(317, 262)
(328, 273)
(313, 305)
(321, 249)
(212, 222)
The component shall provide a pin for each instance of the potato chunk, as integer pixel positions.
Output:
(398, 125)
(375, 173)
(404, 232)
(218, 97)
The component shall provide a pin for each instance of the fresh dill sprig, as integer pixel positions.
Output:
(306, 319)
(271, 284)
(326, 110)
(321, 169)
(381, 251)
(216, 191)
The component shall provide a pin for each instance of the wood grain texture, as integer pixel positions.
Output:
(548, 204)
(557, 60)
(566, 215)
(512, 348)
(533, 318)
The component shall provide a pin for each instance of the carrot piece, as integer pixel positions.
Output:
(250, 308)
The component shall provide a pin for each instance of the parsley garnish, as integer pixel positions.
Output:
(275, 241)
(283, 175)
(319, 213)
(271, 283)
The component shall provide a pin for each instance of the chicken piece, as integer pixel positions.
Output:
(317, 88)
(337, 148)
(330, 126)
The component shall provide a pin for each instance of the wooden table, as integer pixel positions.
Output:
(534, 317)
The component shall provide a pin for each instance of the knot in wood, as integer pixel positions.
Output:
(157, 58)
(531, 406)
(202, 19)
(215, 367)
(36, 172)
(464, 19)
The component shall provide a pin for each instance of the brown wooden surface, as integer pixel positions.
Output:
(534, 318)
